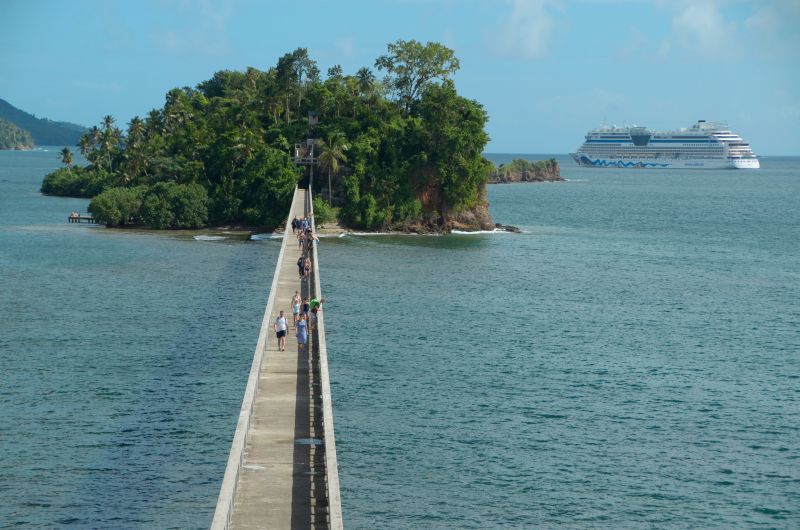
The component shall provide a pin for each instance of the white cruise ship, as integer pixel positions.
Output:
(703, 145)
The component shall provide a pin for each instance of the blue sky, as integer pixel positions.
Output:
(545, 70)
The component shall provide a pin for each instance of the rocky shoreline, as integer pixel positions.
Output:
(526, 171)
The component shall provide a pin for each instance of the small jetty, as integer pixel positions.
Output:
(282, 470)
(76, 217)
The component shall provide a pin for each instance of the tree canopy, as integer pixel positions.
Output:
(398, 151)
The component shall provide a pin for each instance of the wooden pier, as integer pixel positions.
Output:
(282, 470)
(73, 218)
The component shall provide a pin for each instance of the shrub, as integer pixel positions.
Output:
(323, 212)
(77, 182)
(117, 206)
(171, 205)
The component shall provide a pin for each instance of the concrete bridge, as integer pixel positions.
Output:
(282, 470)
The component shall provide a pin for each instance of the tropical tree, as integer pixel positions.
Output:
(109, 138)
(306, 67)
(366, 82)
(333, 154)
(85, 145)
(66, 157)
(412, 66)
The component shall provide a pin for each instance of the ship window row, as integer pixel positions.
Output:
(653, 149)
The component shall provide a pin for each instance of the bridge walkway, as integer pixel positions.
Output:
(281, 483)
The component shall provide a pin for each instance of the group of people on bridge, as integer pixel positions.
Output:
(304, 310)
(304, 320)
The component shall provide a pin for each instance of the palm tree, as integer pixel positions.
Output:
(365, 80)
(132, 155)
(333, 153)
(66, 157)
(110, 137)
(85, 145)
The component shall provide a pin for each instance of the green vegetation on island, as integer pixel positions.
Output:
(13, 137)
(520, 170)
(43, 131)
(404, 152)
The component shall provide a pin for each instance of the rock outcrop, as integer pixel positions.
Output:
(525, 171)
(475, 218)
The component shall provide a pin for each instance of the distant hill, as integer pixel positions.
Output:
(44, 131)
(12, 137)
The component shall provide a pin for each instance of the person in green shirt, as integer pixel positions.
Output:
(314, 306)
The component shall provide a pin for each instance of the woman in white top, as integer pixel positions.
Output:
(295, 307)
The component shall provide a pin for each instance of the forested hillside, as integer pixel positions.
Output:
(43, 131)
(402, 151)
(12, 137)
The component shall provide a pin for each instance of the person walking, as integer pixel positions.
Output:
(281, 327)
(306, 267)
(300, 266)
(295, 308)
(302, 334)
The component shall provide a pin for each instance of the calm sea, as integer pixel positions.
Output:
(631, 360)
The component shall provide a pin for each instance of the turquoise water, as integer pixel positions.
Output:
(631, 360)
(124, 356)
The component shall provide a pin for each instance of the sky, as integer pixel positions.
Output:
(546, 71)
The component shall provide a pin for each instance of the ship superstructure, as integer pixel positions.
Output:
(704, 145)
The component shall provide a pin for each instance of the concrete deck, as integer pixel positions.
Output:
(270, 490)
(282, 470)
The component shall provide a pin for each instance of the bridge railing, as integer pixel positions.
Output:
(331, 464)
(225, 501)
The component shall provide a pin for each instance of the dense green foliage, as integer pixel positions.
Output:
(76, 182)
(520, 170)
(520, 165)
(171, 205)
(118, 206)
(43, 131)
(12, 137)
(323, 212)
(404, 150)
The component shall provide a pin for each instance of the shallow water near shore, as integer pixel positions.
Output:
(631, 360)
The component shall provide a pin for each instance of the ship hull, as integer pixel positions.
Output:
(722, 163)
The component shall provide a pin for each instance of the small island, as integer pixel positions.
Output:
(520, 170)
(402, 153)
(13, 137)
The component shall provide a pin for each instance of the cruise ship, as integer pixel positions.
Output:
(704, 145)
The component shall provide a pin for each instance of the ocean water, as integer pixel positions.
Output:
(124, 359)
(631, 360)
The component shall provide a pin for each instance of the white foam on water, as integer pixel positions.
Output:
(209, 238)
(475, 232)
(265, 237)
(370, 234)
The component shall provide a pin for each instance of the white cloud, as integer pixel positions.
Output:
(204, 30)
(527, 31)
(727, 30)
(700, 27)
